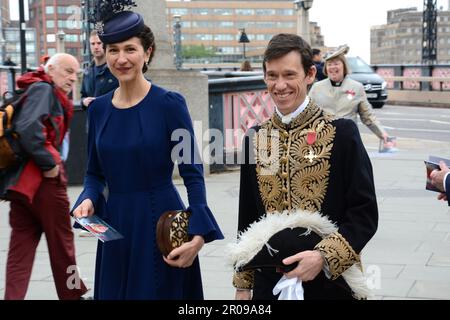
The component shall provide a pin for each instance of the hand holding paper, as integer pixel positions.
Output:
(437, 169)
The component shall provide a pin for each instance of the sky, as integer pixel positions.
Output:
(349, 21)
(14, 9)
(345, 21)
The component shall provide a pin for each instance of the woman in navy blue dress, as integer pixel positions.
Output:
(130, 151)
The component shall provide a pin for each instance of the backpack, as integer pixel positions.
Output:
(10, 151)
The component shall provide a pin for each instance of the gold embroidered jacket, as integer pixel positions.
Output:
(316, 163)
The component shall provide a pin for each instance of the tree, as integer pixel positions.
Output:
(190, 52)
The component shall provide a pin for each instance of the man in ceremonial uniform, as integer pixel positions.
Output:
(302, 159)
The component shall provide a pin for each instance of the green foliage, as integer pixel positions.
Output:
(197, 52)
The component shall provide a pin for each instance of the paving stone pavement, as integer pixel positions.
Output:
(408, 258)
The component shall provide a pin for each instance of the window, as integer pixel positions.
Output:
(31, 47)
(51, 38)
(180, 11)
(228, 50)
(245, 12)
(72, 51)
(50, 23)
(223, 37)
(71, 38)
(265, 12)
(51, 51)
(202, 12)
(202, 24)
(223, 12)
(63, 10)
(49, 10)
(29, 35)
(285, 12)
(226, 24)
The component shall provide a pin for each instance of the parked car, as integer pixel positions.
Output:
(374, 85)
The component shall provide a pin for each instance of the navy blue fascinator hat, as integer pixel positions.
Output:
(114, 22)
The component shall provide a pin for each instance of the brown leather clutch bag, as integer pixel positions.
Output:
(172, 230)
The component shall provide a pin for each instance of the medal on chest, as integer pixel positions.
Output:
(311, 138)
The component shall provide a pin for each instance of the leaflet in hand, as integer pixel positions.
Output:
(99, 228)
(389, 146)
(433, 164)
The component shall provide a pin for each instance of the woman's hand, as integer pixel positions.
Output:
(385, 138)
(85, 209)
(183, 256)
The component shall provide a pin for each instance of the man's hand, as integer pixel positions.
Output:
(242, 294)
(52, 173)
(85, 209)
(87, 101)
(442, 196)
(183, 256)
(437, 176)
(310, 263)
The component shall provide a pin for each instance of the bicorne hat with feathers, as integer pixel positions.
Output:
(114, 22)
(277, 236)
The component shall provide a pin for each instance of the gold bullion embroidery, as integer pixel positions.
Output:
(243, 280)
(338, 253)
(292, 174)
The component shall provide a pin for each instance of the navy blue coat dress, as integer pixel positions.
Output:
(129, 150)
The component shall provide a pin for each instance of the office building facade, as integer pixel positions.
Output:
(217, 25)
(54, 19)
(399, 41)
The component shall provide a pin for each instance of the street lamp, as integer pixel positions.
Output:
(177, 42)
(23, 44)
(3, 47)
(60, 46)
(302, 7)
(305, 4)
(243, 39)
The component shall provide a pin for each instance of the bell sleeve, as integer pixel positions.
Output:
(94, 180)
(202, 221)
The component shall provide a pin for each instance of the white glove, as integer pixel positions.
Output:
(291, 289)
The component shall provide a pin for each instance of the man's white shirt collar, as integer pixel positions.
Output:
(286, 119)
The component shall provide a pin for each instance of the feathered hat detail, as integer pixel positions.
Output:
(114, 22)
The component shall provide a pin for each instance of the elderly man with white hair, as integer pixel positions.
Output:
(37, 187)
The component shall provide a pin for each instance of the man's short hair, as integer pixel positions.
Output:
(53, 60)
(282, 44)
(316, 51)
(93, 33)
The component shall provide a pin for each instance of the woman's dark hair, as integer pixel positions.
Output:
(283, 43)
(148, 41)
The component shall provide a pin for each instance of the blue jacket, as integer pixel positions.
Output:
(99, 85)
(447, 188)
(319, 75)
